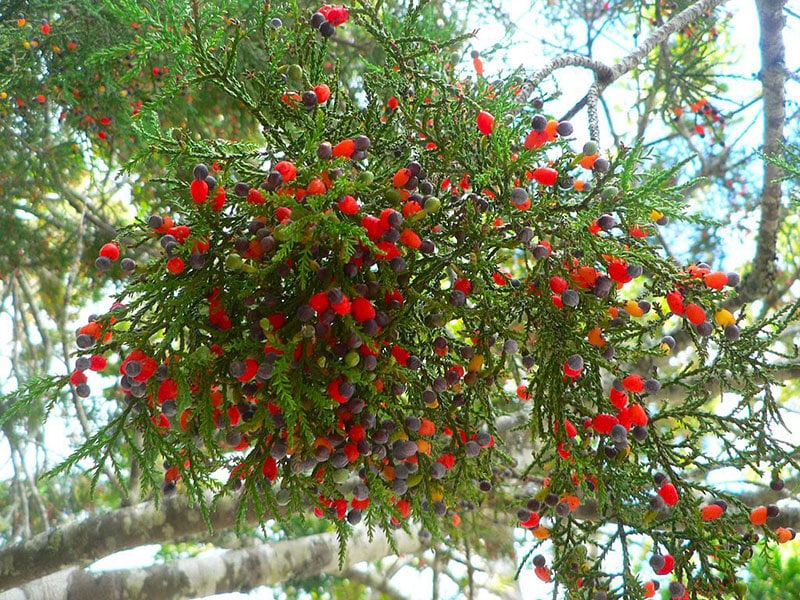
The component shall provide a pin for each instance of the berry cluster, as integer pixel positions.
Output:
(340, 322)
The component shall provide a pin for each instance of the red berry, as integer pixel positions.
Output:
(409, 238)
(199, 191)
(675, 302)
(167, 390)
(545, 175)
(323, 92)
(219, 199)
(175, 265)
(669, 564)
(618, 398)
(335, 14)
(270, 468)
(401, 177)
(348, 205)
(362, 309)
(716, 280)
(618, 271)
(110, 250)
(558, 284)
(344, 149)
(485, 122)
(287, 170)
(695, 313)
(711, 512)
(251, 368)
(97, 362)
(603, 423)
(637, 415)
(255, 197)
(669, 494)
(633, 383)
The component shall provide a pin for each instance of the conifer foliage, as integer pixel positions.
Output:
(339, 309)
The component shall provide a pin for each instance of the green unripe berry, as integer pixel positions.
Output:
(590, 148)
(352, 358)
(295, 73)
(432, 204)
(609, 192)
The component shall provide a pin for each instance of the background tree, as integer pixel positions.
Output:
(180, 66)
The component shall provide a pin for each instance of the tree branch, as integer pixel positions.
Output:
(81, 542)
(373, 581)
(234, 570)
(605, 74)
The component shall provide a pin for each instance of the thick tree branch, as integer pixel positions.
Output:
(773, 79)
(81, 542)
(379, 583)
(234, 570)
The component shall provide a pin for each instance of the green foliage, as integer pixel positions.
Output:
(774, 576)
(246, 348)
(234, 312)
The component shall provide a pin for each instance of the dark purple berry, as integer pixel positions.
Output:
(317, 19)
(241, 189)
(200, 172)
(327, 29)
(564, 128)
(103, 263)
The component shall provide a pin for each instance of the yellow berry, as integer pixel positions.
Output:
(723, 317)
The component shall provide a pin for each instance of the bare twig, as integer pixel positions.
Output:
(606, 74)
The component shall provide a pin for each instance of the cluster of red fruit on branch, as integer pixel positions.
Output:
(339, 324)
(340, 333)
(705, 120)
(328, 17)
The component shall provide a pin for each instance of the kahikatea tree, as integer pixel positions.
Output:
(408, 295)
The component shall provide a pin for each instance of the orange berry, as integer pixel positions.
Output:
(716, 280)
(785, 534)
(711, 512)
(344, 149)
(595, 337)
(587, 162)
(758, 516)
(541, 532)
(401, 177)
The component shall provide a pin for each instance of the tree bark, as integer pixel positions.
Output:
(773, 81)
(232, 571)
(84, 541)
